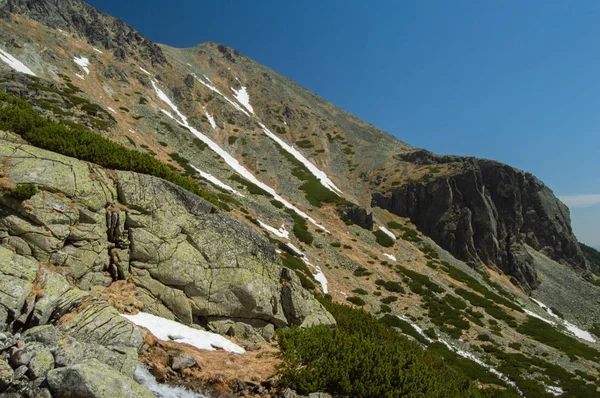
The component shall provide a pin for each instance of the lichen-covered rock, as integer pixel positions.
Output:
(17, 274)
(6, 374)
(95, 380)
(190, 262)
(41, 362)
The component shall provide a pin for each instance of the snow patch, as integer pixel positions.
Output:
(556, 391)
(84, 63)
(321, 176)
(144, 70)
(80, 76)
(98, 51)
(320, 277)
(478, 361)
(533, 314)
(417, 328)
(387, 232)
(281, 232)
(111, 109)
(579, 333)
(393, 258)
(15, 63)
(211, 120)
(243, 98)
(145, 378)
(230, 160)
(167, 330)
(295, 249)
(215, 181)
(216, 90)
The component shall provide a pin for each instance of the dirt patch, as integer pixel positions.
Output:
(122, 295)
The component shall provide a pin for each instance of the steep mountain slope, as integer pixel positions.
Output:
(452, 245)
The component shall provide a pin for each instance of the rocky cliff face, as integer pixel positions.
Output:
(98, 28)
(486, 213)
(190, 262)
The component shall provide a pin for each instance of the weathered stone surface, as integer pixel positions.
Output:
(45, 334)
(357, 215)
(182, 361)
(94, 379)
(486, 213)
(17, 274)
(41, 362)
(6, 374)
(190, 262)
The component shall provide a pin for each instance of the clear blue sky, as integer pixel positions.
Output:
(514, 81)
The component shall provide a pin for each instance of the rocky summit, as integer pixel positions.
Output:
(188, 219)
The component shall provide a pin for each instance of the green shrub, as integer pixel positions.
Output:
(336, 244)
(82, 144)
(547, 334)
(383, 239)
(361, 271)
(250, 186)
(360, 291)
(304, 144)
(356, 301)
(389, 299)
(232, 139)
(21, 192)
(363, 357)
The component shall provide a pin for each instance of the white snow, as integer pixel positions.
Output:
(84, 63)
(478, 361)
(390, 257)
(417, 328)
(80, 76)
(144, 70)
(15, 63)
(211, 120)
(111, 109)
(215, 181)
(321, 176)
(98, 51)
(281, 232)
(556, 391)
(387, 232)
(295, 249)
(533, 314)
(243, 98)
(320, 277)
(582, 334)
(216, 90)
(230, 160)
(145, 378)
(318, 274)
(167, 330)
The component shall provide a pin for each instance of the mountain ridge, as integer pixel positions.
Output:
(270, 153)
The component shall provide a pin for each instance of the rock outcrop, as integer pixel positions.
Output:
(98, 28)
(189, 261)
(486, 213)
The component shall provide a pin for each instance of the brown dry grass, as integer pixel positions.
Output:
(123, 296)
(214, 369)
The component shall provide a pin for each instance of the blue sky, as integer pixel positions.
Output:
(513, 81)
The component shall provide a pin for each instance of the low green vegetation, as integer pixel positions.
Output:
(383, 239)
(300, 228)
(549, 335)
(408, 234)
(316, 194)
(306, 144)
(75, 141)
(364, 357)
(21, 192)
(299, 267)
(489, 306)
(361, 271)
(250, 186)
(356, 301)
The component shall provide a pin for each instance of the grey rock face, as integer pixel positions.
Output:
(182, 362)
(93, 379)
(97, 27)
(358, 215)
(486, 213)
(189, 261)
